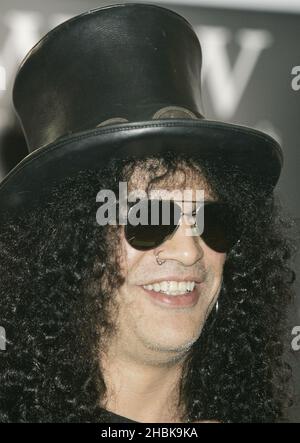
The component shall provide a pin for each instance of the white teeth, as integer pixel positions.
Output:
(172, 287)
(183, 285)
(164, 286)
(191, 285)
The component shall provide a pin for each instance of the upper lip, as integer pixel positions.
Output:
(175, 278)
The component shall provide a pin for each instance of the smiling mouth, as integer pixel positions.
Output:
(172, 288)
(173, 293)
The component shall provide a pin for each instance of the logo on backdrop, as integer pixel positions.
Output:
(227, 83)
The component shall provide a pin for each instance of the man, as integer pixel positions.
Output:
(149, 323)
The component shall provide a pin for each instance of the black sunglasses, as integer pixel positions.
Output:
(163, 218)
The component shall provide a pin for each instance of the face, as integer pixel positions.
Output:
(152, 324)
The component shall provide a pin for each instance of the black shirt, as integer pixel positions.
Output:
(110, 417)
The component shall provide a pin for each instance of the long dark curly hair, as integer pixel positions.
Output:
(58, 268)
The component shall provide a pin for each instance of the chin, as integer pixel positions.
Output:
(173, 342)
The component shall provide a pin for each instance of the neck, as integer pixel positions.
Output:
(142, 390)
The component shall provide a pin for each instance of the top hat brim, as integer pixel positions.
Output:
(252, 151)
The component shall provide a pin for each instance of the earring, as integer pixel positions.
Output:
(158, 260)
(217, 303)
(217, 306)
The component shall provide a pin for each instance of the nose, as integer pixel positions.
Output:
(182, 246)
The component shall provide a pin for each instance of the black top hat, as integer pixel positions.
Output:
(117, 81)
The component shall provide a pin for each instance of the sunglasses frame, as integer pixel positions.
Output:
(206, 203)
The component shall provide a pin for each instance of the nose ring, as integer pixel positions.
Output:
(158, 260)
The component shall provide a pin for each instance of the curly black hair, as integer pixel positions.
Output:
(57, 265)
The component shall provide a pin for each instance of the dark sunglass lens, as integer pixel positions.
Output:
(151, 222)
(218, 226)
